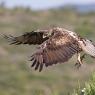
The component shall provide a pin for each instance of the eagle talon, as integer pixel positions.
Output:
(82, 57)
(78, 65)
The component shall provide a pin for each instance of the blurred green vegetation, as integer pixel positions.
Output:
(16, 76)
(89, 88)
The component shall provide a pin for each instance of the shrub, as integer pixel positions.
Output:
(89, 88)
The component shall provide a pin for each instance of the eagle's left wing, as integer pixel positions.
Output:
(28, 38)
(57, 49)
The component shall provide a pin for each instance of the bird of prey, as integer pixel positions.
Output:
(55, 45)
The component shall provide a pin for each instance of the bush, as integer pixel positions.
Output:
(89, 88)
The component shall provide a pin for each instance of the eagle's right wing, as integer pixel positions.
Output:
(57, 49)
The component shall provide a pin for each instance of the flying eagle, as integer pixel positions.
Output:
(56, 45)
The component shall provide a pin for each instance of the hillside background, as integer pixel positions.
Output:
(16, 76)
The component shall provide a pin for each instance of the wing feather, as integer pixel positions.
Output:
(27, 38)
(41, 67)
(34, 63)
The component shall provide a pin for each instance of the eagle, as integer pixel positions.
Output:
(55, 45)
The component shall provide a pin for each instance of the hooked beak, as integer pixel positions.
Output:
(44, 36)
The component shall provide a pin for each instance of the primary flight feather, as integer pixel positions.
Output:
(56, 45)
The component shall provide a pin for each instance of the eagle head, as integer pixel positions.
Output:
(48, 33)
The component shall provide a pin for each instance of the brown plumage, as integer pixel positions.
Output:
(58, 49)
(56, 45)
(27, 38)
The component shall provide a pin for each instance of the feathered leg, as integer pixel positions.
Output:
(79, 60)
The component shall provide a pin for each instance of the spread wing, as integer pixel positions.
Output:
(27, 38)
(57, 49)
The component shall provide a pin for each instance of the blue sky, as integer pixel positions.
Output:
(43, 4)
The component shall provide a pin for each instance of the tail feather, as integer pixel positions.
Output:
(89, 48)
